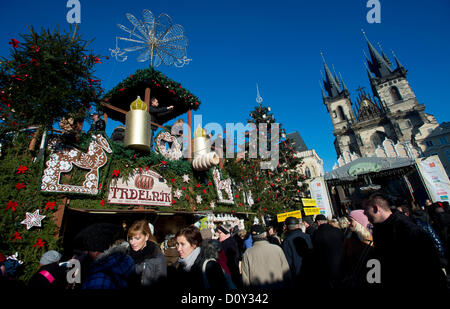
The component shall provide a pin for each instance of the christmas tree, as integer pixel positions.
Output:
(278, 188)
(47, 76)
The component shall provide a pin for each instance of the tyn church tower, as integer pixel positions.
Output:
(392, 111)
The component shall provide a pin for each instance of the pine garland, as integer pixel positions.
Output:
(14, 236)
(126, 90)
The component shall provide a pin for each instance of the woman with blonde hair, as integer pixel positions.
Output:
(151, 266)
(356, 251)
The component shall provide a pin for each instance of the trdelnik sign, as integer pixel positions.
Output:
(144, 187)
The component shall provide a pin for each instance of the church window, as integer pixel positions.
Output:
(334, 114)
(395, 94)
(307, 172)
(377, 138)
(341, 113)
(429, 143)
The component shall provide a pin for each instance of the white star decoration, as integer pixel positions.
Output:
(178, 193)
(33, 219)
(199, 199)
(186, 178)
(212, 205)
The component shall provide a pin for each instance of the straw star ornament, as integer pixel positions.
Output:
(33, 219)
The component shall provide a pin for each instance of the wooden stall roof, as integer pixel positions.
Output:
(166, 90)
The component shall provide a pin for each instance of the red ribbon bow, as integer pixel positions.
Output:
(12, 205)
(20, 185)
(22, 169)
(50, 205)
(39, 243)
(16, 236)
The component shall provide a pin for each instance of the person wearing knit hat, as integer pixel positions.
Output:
(356, 250)
(360, 225)
(50, 274)
(229, 255)
(49, 257)
(361, 218)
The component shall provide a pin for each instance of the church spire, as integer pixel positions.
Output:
(377, 64)
(323, 91)
(344, 87)
(397, 62)
(384, 55)
(330, 84)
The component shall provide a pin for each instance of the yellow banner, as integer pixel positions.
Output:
(309, 211)
(308, 202)
(282, 217)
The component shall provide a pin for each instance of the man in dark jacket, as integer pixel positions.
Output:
(98, 124)
(327, 242)
(231, 250)
(110, 266)
(155, 113)
(405, 252)
(297, 247)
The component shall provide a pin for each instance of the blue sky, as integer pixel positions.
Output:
(236, 44)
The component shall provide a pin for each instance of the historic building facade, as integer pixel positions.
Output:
(312, 164)
(391, 112)
(436, 141)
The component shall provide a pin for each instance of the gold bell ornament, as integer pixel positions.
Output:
(138, 129)
(203, 157)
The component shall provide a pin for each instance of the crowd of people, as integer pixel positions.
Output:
(383, 244)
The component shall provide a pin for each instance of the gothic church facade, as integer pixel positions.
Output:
(392, 112)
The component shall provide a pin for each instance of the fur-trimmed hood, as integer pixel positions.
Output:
(114, 260)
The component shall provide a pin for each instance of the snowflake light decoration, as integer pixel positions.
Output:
(158, 40)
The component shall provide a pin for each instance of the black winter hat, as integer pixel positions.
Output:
(291, 221)
(98, 237)
(222, 229)
(320, 217)
(257, 229)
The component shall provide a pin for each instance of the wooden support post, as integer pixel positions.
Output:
(58, 215)
(105, 118)
(147, 98)
(189, 115)
(34, 139)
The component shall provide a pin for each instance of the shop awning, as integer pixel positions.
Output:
(368, 166)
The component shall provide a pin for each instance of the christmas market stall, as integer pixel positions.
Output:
(349, 183)
(56, 181)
